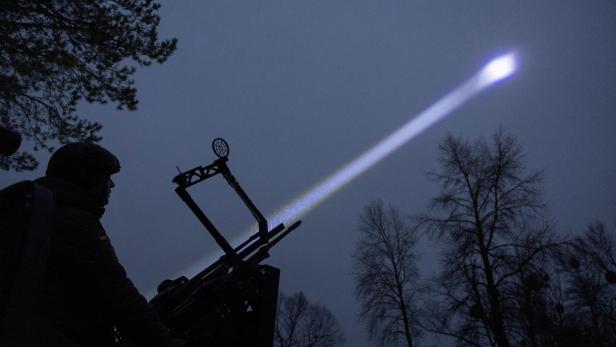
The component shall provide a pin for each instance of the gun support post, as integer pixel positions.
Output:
(233, 300)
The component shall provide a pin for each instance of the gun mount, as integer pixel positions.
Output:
(232, 302)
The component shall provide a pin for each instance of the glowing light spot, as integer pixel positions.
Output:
(498, 69)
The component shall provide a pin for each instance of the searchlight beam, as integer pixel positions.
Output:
(496, 70)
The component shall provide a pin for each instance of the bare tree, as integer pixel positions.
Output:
(386, 276)
(589, 264)
(489, 219)
(300, 323)
(534, 297)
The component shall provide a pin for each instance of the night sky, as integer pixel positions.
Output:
(298, 88)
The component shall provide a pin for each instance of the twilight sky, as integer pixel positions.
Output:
(298, 88)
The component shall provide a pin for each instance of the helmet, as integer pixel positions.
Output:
(82, 162)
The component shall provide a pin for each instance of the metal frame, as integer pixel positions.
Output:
(187, 306)
(199, 174)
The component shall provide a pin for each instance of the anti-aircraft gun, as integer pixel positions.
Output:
(233, 301)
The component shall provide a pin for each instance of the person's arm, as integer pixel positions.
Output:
(131, 313)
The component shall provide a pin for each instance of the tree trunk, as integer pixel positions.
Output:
(496, 315)
(403, 306)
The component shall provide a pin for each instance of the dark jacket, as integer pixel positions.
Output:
(85, 291)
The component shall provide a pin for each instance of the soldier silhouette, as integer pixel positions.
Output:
(62, 284)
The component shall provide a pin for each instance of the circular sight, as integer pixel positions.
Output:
(220, 147)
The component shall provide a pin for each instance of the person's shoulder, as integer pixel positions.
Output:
(76, 227)
(15, 190)
(16, 195)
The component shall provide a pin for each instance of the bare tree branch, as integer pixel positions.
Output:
(386, 276)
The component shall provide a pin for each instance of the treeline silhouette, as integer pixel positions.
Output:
(301, 323)
(507, 277)
(56, 55)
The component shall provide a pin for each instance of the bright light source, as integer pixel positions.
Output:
(498, 69)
